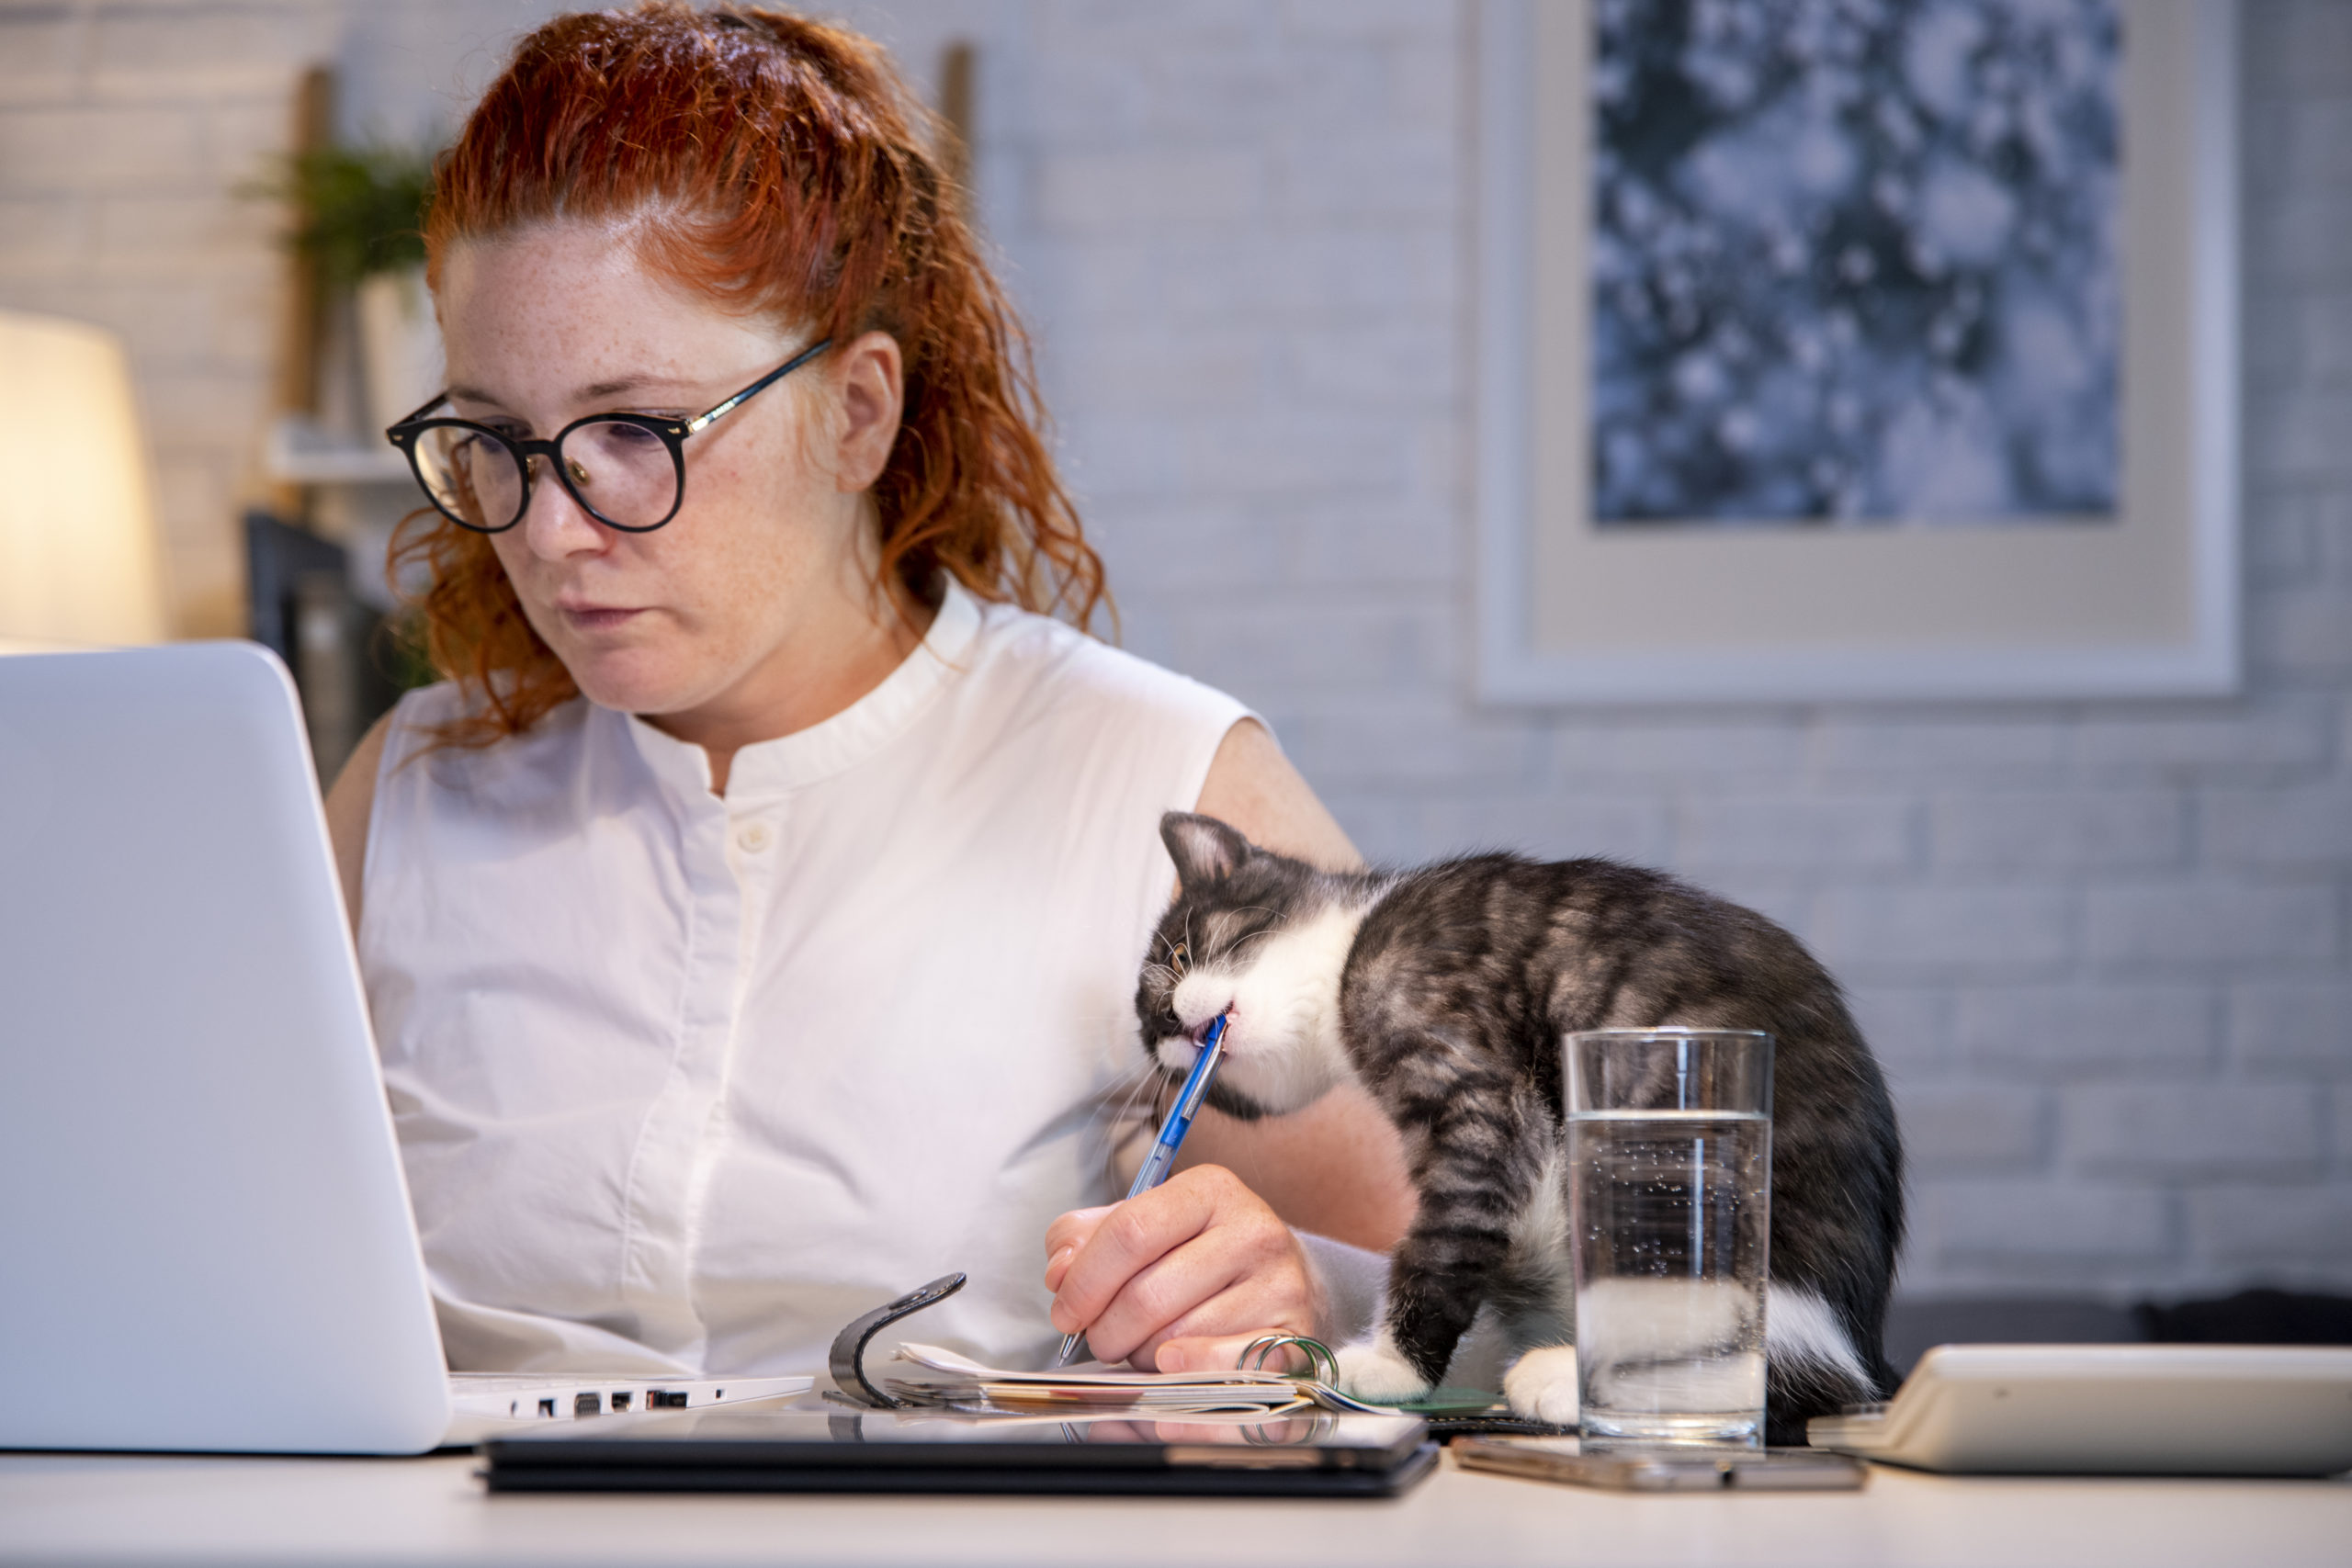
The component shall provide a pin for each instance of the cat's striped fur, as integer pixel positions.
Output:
(1446, 991)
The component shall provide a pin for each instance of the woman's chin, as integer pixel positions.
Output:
(632, 681)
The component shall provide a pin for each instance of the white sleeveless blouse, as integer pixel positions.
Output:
(683, 1084)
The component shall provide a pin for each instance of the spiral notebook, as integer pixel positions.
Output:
(941, 1379)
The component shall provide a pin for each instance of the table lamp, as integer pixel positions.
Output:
(79, 563)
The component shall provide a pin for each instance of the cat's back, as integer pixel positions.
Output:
(1500, 907)
(1467, 950)
(1506, 952)
(1471, 912)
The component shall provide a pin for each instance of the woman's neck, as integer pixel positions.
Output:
(803, 683)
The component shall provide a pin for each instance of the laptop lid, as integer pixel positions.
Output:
(209, 1239)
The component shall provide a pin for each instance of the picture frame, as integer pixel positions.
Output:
(2139, 602)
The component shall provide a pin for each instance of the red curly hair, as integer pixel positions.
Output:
(774, 167)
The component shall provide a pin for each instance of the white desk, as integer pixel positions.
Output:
(75, 1510)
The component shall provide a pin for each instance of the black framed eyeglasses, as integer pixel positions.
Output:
(626, 470)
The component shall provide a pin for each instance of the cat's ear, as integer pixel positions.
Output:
(1203, 848)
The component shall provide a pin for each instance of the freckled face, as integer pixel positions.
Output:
(757, 571)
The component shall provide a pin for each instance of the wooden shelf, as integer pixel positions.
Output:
(299, 452)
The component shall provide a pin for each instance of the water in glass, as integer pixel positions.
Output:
(1672, 1229)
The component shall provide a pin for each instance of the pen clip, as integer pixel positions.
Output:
(1196, 1083)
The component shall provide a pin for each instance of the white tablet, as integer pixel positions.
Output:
(2111, 1410)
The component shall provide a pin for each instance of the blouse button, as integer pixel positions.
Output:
(753, 837)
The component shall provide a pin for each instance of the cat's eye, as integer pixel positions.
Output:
(1180, 959)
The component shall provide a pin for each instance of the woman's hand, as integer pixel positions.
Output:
(1181, 1278)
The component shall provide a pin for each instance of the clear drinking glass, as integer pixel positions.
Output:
(1670, 1140)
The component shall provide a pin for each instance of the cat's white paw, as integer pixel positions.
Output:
(1374, 1372)
(1541, 1385)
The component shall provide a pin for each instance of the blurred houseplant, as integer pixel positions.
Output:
(358, 216)
(363, 349)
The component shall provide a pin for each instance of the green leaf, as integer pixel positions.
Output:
(359, 210)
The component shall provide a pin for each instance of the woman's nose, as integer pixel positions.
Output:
(554, 524)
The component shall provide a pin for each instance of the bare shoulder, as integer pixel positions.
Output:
(1252, 786)
(350, 805)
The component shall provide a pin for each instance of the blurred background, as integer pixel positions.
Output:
(2101, 947)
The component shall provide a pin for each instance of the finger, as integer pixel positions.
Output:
(1168, 1297)
(1128, 1239)
(1065, 1237)
(1265, 1298)
(1238, 1278)
(1070, 1231)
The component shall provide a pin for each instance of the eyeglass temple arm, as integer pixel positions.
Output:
(778, 374)
(435, 401)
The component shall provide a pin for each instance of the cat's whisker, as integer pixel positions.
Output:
(1146, 1078)
(1137, 1083)
(1241, 945)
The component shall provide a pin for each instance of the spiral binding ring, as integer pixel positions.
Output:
(1318, 1356)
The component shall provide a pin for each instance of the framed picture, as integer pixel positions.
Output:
(1843, 352)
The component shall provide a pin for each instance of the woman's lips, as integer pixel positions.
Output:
(595, 618)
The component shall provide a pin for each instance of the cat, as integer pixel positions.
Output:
(1446, 991)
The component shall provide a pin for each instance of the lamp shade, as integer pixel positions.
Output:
(79, 563)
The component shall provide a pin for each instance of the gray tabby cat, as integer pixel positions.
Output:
(1446, 990)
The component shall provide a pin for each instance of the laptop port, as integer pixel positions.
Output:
(547, 1408)
(620, 1401)
(587, 1405)
(665, 1399)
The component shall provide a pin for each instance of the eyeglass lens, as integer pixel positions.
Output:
(622, 472)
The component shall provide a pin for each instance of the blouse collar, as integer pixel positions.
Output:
(769, 768)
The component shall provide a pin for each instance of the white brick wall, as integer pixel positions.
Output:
(124, 130)
(2102, 948)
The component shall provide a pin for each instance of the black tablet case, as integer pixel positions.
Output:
(820, 1451)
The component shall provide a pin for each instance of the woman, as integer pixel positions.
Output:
(750, 923)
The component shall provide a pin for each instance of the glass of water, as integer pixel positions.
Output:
(1670, 1146)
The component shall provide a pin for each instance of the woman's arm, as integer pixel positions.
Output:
(350, 804)
(1183, 1276)
(1336, 1167)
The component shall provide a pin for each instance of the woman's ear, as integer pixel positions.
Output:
(869, 376)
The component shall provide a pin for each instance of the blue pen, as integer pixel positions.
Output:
(1172, 1136)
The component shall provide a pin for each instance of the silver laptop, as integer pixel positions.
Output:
(207, 1240)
